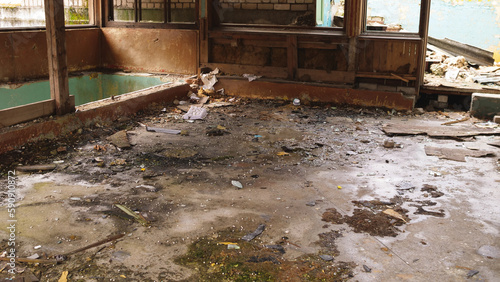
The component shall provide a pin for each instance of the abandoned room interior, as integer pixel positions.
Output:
(249, 140)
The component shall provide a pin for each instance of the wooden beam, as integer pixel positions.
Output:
(423, 31)
(56, 49)
(343, 77)
(27, 112)
(292, 57)
(271, 72)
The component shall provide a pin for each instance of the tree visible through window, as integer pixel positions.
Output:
(31, 13)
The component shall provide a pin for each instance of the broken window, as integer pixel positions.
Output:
(323, 13)
(31, 13)
(393, 16)
(154, 11)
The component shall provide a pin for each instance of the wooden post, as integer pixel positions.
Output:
(56, 48)
(423, 30)
(292, 58)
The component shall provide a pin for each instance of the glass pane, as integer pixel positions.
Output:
(123, 10)
(268, 12)
(22, 13)
(330, 13)
(393, 16)
(76, 12)
(152, 11)
(183, 11)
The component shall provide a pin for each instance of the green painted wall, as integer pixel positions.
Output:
(86, 89)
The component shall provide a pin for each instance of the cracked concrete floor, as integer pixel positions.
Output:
(295, 164)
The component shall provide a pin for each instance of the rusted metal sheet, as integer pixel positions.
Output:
(264, 89)
(150, 50)
(16, 137)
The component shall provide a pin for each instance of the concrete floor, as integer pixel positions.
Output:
(334, 156)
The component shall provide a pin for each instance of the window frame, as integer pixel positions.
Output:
(93, 21)
(108, 14)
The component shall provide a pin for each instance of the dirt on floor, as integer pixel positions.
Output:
(258, 190)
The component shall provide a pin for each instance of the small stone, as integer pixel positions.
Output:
(120, 140)
(367, 269)
(311, 204)
(326, 257)
(389, 144)
(237, 184)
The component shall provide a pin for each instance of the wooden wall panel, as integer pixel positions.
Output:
(150, 50)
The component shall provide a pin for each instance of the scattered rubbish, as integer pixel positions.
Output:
(34, 256)
(251, 77)
(389, 144)
(452, 74)
(456, 154)
(339, 187)
(218, 104)
(237, 184)
(58, 162)
(123, 276)
(100, 148)
(472, 273)
(233, 247)
(120, 255)
(209, 80)
(456, 121)
(195, 113)
(278, 248)
(326, 257)
(432, 190)
(421, 210)
(109, 239)
(366, 268)
(216, 131)
(36, 168)
(120, 140)
(118, 162)
(136, 216)
(148, 188)
(283, 154)
(64, 277)
(394, 214)
(296, 102)
(311, 204)
(163, 130)
(488, 124)
(75, 199)
(249, 237)
(264, 259)
(37, 247)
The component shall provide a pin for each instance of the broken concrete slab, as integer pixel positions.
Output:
(485, 105)
(438, 130)
(120, 140)
(455, 154)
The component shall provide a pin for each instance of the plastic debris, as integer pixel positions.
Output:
(209, 80)
(195, 113)
(283, 154)
(326, 257)
(64, 277)
(366, 268)
(251, 77)
(395, 214)
(339, 187)
(472, 273)
(37, 247)
(296, 102)
(233, 247)
(163, 130)
(249, 237)
(137, 217)
(237, 184)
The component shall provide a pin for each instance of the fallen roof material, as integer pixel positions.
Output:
(471, 53)
(455, 154)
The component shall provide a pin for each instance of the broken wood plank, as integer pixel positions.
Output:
(402, 78)
(109, 239)
(456, 121)
(471, 53)
(455, 154)
(36, 168)
(438, 130)
(163, 130)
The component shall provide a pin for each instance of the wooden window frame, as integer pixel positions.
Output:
(108, 21)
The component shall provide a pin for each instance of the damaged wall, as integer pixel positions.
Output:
(150, 50)
(23, 55)
(473, 22)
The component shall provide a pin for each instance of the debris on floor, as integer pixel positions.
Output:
(456, 154)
